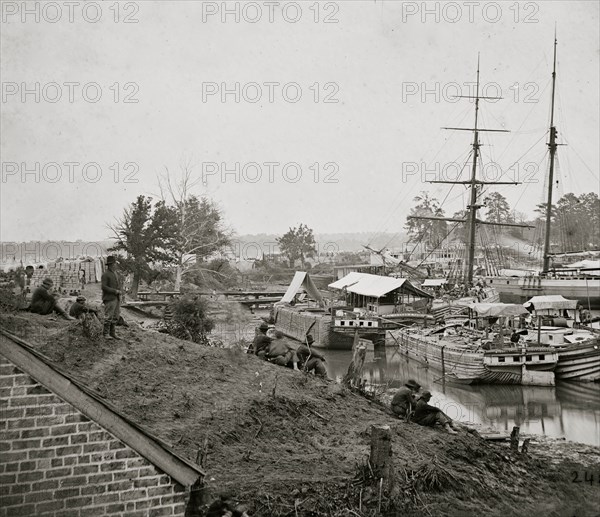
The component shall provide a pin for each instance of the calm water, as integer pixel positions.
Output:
(570, 410)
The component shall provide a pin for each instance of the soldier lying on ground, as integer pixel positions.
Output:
(280, 353)
(43, 302)
(430, 415)
(310, 360)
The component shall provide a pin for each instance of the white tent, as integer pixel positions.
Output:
(376, 286)
(496, 310)
(434, 282)
(302, 279)
(554, 301)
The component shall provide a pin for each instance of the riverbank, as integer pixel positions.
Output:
(284, 443)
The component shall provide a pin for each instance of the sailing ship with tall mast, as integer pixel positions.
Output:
(475, 186)
(573, 283)
(469, 354)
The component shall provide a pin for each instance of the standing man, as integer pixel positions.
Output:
(111, 297)
(515, 337)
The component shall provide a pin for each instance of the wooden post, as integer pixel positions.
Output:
(514, 439)
(355, 370)
(443, 363)
(381, 452)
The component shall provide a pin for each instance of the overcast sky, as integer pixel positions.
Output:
(392, 67)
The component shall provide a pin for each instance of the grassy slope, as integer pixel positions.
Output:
(277, 438)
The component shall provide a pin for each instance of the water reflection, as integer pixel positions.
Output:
(570, 410)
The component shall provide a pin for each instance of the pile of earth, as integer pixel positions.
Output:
(286, 443)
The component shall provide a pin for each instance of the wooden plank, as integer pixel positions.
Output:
(181, 470)
(496, 437)
(148, 303)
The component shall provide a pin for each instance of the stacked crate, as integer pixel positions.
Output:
(90, 271)
(74, 267)
(65, 274)
(56, 275)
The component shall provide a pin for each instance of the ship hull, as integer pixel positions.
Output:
(296, 324)
(579, 362)
(521, 289)
(467, 366)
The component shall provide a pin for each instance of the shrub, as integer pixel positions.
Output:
(190, 320)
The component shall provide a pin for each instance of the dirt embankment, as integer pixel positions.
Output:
(288, 444)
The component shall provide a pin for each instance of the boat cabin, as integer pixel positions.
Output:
(381, 295)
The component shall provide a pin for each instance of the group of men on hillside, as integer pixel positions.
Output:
(414, 407)
(44, 302)
(277, 351)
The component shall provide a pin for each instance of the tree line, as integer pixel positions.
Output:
(575, 222)
(181, 235)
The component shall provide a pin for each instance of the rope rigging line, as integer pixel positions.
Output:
(409, 191)
(445, 237)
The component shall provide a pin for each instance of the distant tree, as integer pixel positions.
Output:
(423, 230)
(576, 219)
(591, 209)
(498, 209)
(575, 222)
(519, 218)
(352, 257)
(145, 234)
(298, 244)
(460, 231)
(216, 274)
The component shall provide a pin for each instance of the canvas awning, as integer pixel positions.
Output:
(302, 280)
(554, 301)
(434, 282)
(376, 286)
(585, 264)
(497, 310)
(516, 272)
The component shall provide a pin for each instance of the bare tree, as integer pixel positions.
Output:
(200, 229)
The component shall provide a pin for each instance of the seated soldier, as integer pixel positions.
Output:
(280, 353)
(404, 400)
(310, 360)
(79, 308)
(261, 341)
(431, 415)
(43, 302)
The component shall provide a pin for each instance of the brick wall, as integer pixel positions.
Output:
(55, 461)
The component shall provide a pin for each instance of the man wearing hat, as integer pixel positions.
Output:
(261, 340)
(111, 297)
(309, 359)
(404, 400)
(43, 302)
(79, 308)
(279, 352)
(431, 415)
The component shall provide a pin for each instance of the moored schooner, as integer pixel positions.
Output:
(579, 283)
(472, 353)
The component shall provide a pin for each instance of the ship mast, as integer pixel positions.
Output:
(552, 146)
(474, 184)
(473, 206)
